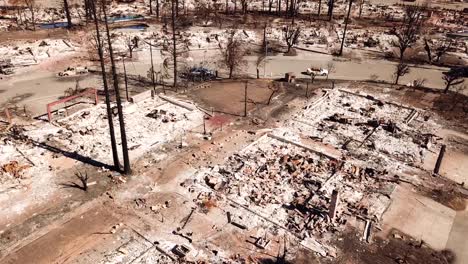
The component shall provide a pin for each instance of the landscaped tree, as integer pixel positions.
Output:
(407, 34)
(452, 78)
(291, 36)
(401, 69)
(233, 54)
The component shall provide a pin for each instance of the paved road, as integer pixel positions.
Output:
(35, 88)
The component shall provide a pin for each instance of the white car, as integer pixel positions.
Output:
(317, 72)
(70, 71)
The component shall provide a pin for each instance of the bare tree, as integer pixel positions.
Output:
(123, 134)
(204, 10)
(346, 27)
(319, 11)
(274, 88)
(331, 5)
(175, 46)
(401, 69)
(83, 178)
(83, 182)
(438, 49)
(361, 4)
(100, 51)
(245, 5)
(291, 36)
(261, 60)
(32, 6)
(132, 44)
(66, 7)
(233, 54)
(452, 78)
(331, 67)
(408, 32)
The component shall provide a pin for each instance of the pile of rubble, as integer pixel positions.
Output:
(24, 54)
(385, 135)
(308, 193)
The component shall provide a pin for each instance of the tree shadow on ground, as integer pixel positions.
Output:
(72, 155)
(82, 185)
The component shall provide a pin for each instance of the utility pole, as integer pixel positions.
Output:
(265, 42)
(174, 44)
(123, 134)
(204, 125)
(245, 99)
(125, 78)
(92, 7)
(345, 27)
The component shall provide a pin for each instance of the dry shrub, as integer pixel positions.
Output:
(14, 169)
(207, 205)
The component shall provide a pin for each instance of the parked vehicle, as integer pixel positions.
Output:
(70, 71)
(199, 74)
(317, 72)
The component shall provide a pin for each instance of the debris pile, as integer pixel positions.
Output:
(307, 193)
(25, 54)
(149, 123)
(385, 135)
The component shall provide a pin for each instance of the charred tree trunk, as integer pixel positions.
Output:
(93, 14)
(123, 134)
(331, 5)
(67, 13)
(319, 8)
(157, 9)
(346, 27)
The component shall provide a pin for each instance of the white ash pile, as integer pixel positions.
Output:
(24, 167)
(386, 135)
(24, 54)
(149, 124)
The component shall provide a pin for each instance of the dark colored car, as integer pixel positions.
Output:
(199, 74)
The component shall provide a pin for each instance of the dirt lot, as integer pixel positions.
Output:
(228, 97)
